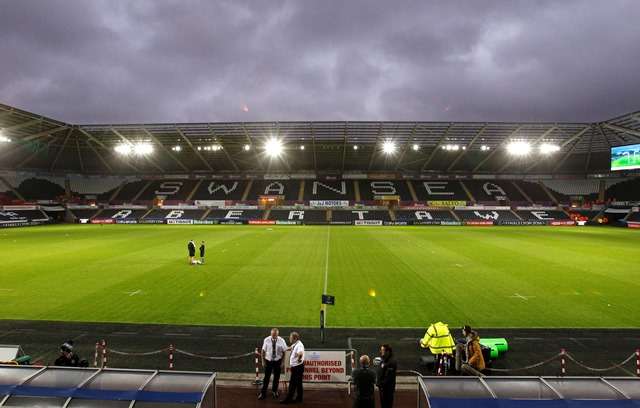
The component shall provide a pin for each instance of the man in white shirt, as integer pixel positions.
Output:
(273, 349)
(296, 362)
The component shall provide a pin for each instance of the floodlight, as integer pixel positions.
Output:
(548, 148)
(142, 148)
(4, 139)
(123, 149)
(246, 147)
(485, 148)
(355, 147)
(215, 147)
(519, 148)
(389, 147)
(273, 147)
(177, 148)
(301, 147)
(415, 147)
(451, 147)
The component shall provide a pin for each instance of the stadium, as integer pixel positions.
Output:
(160, 255)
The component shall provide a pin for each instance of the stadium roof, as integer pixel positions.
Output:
(41, 143)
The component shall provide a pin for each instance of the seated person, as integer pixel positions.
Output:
(68, 358)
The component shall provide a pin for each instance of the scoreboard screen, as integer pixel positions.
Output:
(625, 157)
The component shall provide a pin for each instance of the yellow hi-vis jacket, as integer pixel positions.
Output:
(438, 339)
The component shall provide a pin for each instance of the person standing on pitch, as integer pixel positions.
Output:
(202, 252)
(387, 376)
(364, 380)
(273, 348)
(191, 247)
(296, 362)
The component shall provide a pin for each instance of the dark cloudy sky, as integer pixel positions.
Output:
(112, 61)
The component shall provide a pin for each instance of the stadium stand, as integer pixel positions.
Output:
(426, 216)
(480, 215)
(627, 190)
(174, 214)
(492, 191)
(351, 216)
(220, 190)
(563, 190)
(329, 190)
(84, 186)
(234, 215)
(439, 190)
(287, 188)
(84, 213)
(542, 215)
(130, 190)
(535, 192)
(121, 214)
(41, 188)
(175, 190)
(634, 216)
(369, 189)
(306, 216)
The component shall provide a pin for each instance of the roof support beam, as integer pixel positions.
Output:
(34, 154)
(104, 162)
(99, 143)
(588, 158)
(148, 158)
(375, 146)
(197, 153)
(79, 154)
(313, 143)
(164, 148)
(462, 153)
(224, 150)
(59, 152)
(406, 145)
(43, 133)
(435, 149)
(344, 146)
(254, 147)
(536, 141)
(493, 153)
(22, 125)
(634, 133)
(576, 136)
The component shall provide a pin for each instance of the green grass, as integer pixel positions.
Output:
(627, 161)
(572, 277)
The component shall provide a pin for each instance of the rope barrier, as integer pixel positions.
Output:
(638, 362)
(186, 353)
(134, 354)
(563, 362)
(529, 367)
(104, 353)
(171, 356)
(613, 367)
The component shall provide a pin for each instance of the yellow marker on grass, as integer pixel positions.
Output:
(372, 292)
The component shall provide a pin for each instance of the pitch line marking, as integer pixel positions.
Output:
(326, 262)
(519, 296)
(133, 293)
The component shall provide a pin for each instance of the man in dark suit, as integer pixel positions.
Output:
(387, 376)
(191, 247)
(364, 380)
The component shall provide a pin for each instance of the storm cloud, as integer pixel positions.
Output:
(116, 61)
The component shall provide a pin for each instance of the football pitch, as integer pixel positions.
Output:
(380, 276)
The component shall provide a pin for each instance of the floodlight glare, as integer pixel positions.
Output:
(519, 148)
(4, 139)
(273, 147)
(123, 149)
(355, 147)
(177, 148)
(485, 148)
(415, 147)
(301, 147)
(142, 148)
(388, 147)
(246, 147)
(548, 148)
